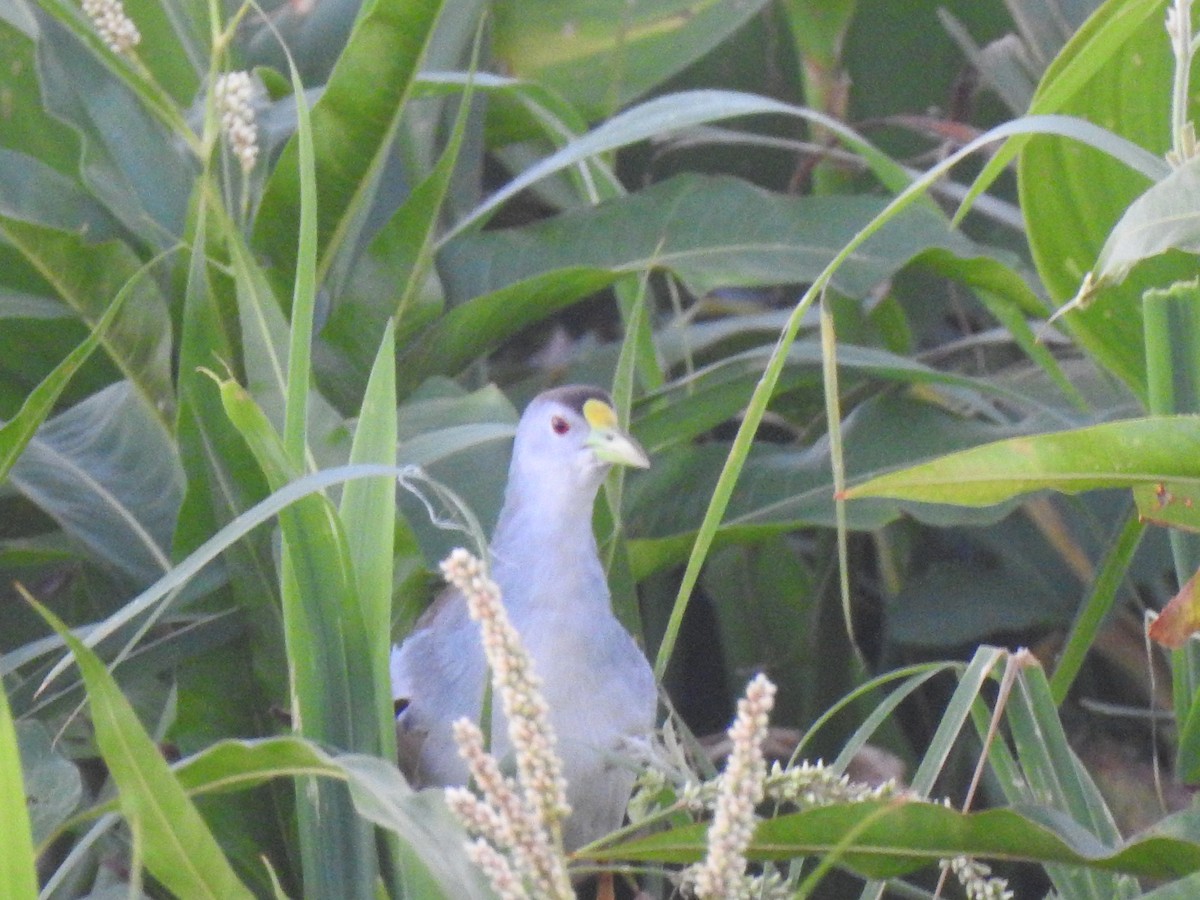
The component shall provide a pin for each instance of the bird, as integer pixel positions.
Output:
(596, 681)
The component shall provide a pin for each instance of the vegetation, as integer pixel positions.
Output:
(258, 267)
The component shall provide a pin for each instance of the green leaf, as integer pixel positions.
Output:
(1005, 577)
(437, 867)
(601, 55)
(1117, 71)
(1122, 454)
(782, 488)
(1184, 889)
(223, 480)
(330, 660)
(32, 191)
(87, 278)
(174, 46)
(1165, 217)
(710, 232)
(469, 331)
(353, 126)
(176, 845)
(389, 284)
(266, 354)
(18, 864)
(324, 619)
(16, 433)
(662, 115)
(52, 782)
(905, 836)
(368, 511)
(137, 148)
(28, 127)
(1012, 301)
(107, 471)
(1055, 776)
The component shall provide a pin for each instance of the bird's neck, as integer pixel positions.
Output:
(547, 556)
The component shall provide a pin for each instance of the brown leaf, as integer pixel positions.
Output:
(1180, 618)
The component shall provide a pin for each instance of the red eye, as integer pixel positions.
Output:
(560, 425)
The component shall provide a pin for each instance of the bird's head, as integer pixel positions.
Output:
(568, 438)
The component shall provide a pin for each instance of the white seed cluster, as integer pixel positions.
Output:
(112, 24)
(739, 791)
(814, 784)
(235, 105)
(495, 866)
(521, 821)
(976, 879)
(746, 783)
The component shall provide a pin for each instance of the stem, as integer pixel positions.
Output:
(1179, 27)
(1172, 330)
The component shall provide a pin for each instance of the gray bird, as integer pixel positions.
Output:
(596, 681)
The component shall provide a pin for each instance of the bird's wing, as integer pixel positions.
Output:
(447, 611)
(425, 670)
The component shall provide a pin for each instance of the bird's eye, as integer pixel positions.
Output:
(560, 425)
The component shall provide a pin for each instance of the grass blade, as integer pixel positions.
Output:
(176, 844)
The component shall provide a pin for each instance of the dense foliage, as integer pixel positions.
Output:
(904, 410)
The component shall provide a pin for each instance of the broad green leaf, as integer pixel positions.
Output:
(782, 488)
(53, 782)
(28, 127)
(905, 836)
(670, 113)
(1165, 217)
(380, 795)
(140, 168)
(176, 844)
(174, 46)
(716, 392)
(353, 126)
(16, 433)
(223, 482)
(168, 587)
(1087, 51)
(18, 864)
(601, 55)
(107, 471)
(1116, 71)
(1122, 454)
(1004, 577)
(32, 191)
(337, 700)
(87, 278)
(1012, 301)
(469, 331)
(912, 194)
(1172, 503)
(767, 604)
(395, 270)
(710, 232)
